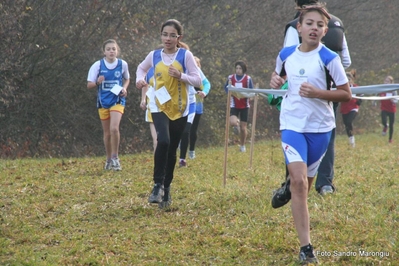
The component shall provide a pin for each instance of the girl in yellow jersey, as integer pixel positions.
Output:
(174, 70)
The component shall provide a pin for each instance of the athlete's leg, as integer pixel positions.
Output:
(295, 151)
(193, 131)
(384, 115)
(115, 133)
(325, 174)
(161, 123)
(107, 137)
(243, 125)
(184, 141)
(105, 123)
(176, 128)
(153, 135)
(299, 204)
(391, 117)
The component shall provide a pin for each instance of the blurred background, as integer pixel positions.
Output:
(47, 48)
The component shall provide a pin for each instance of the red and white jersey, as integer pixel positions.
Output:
(352, 105)
(388, 105)
(240, 82)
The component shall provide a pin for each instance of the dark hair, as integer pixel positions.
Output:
(177, 25)
(242, 65)
(320, 8)
(305, 2)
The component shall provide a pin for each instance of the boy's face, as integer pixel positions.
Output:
(239, 70)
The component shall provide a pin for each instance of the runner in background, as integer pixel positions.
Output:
(104, 75)
(239, 108)
(349, 111)
(388, 110)
(189, 137)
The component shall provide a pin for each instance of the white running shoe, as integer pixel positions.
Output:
(352, 141)
(116, 165)
(108, 165)
(326, 190)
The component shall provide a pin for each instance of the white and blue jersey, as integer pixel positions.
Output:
(105, 98)
(114, 73)
(192, 105)
(205, 87)
(315, 115)
(196, 102)
(151, 105)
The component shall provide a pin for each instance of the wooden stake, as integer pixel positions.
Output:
(255, 110)
(226, 138)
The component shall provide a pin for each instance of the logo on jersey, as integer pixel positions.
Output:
(117, 74)
(301, 71)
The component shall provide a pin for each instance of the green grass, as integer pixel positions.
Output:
(71, 212)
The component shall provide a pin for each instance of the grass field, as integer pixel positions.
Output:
(71, 212)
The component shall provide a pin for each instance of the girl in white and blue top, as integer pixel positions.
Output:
(189, 136)
(307, 117)
(110, 75)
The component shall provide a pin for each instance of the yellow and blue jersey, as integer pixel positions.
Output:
(177, 106)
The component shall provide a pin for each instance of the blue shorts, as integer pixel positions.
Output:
(305, 147)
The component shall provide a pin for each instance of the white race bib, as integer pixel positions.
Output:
(162, 95)
(238, 85)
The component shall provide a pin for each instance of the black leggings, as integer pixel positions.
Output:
(391, 117)
(348, 122)
(193, 131)
(169, 133)
(189, 134)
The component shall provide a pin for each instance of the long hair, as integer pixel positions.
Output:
(175, 24)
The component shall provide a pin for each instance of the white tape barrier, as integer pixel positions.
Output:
(370, 89)
(376, 98)
(374, 89)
